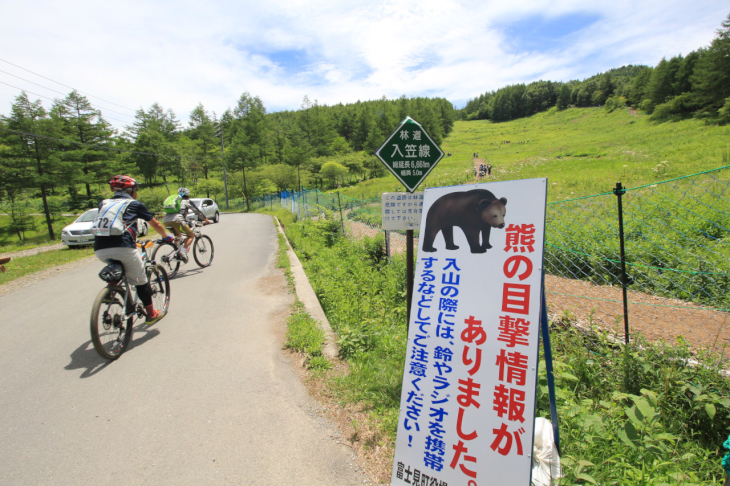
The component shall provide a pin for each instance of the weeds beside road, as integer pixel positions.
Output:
(628, 415)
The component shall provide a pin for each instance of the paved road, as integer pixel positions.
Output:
(205, 397)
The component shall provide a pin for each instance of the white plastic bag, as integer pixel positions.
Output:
(545, 458)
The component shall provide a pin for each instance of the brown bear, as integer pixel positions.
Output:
(476, 212)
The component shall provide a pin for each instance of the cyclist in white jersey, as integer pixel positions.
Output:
(177, 223)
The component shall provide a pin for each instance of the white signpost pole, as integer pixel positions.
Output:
(469, 383)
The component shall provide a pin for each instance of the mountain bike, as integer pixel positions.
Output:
(117, 307)
(168, 253)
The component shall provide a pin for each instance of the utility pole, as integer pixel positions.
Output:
(223, 162)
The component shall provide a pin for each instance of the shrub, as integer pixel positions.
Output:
(678, 107)
(615, 102)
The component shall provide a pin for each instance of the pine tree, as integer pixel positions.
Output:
(564, 97)
(154, 133)
(711, 78)
(32, 152)
(202, 132)
(83, 124)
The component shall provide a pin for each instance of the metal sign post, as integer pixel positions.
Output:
(410, 155)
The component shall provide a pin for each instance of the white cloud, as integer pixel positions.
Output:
(181, 53)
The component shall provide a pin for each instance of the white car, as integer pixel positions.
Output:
(79, 232)
(208, 207)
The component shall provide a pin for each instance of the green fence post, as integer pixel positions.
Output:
(342, 219)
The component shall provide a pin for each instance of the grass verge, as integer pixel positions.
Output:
(303, 335)
(19, 267)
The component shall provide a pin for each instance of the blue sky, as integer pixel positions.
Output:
(540, 34)
(127, 55)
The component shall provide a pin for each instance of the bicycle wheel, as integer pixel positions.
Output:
(203, 250)
(164, 255)
(160, 287)
(109, 331)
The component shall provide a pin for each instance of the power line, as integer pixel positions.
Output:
(52, 99)
(101, 147)
(71, 87)
(55, 91)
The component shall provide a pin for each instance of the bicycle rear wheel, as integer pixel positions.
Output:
(164, 255)
(203, 250)
(160, 285)
(109, 331)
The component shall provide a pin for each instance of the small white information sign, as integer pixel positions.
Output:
(402, 211)
(468, 398)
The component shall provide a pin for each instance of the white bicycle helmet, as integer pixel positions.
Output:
(183, 192)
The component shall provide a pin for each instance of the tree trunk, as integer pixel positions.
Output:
(245, 191)
(47, 210)
(13, 218)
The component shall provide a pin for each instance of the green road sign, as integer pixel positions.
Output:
(409, 153)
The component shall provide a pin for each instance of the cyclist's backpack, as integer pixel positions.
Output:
(172, 204)
(110, 219)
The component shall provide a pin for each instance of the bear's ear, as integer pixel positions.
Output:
(503, 200)
(483, 204)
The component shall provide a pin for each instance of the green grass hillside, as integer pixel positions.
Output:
(583, 151)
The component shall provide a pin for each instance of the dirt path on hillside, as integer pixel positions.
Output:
(655, 318)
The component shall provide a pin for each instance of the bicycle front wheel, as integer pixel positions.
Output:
(165, 256)
(110, 332)
(160, 285)
(203, 250)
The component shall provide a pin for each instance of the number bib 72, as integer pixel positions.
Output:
(110, 220)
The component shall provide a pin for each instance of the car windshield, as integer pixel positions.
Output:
(195, 203)
(87, 216)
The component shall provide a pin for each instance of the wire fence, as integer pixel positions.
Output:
(671, 283)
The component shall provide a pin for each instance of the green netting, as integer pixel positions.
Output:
(676, 243)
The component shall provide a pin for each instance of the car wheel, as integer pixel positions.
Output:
(217, 217)
(144, 230)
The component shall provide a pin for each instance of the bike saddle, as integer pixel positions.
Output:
(113, 272)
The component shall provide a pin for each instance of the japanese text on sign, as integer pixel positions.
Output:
(402, 211)
(468, 394)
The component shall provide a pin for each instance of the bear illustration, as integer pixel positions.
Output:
(476, 212)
